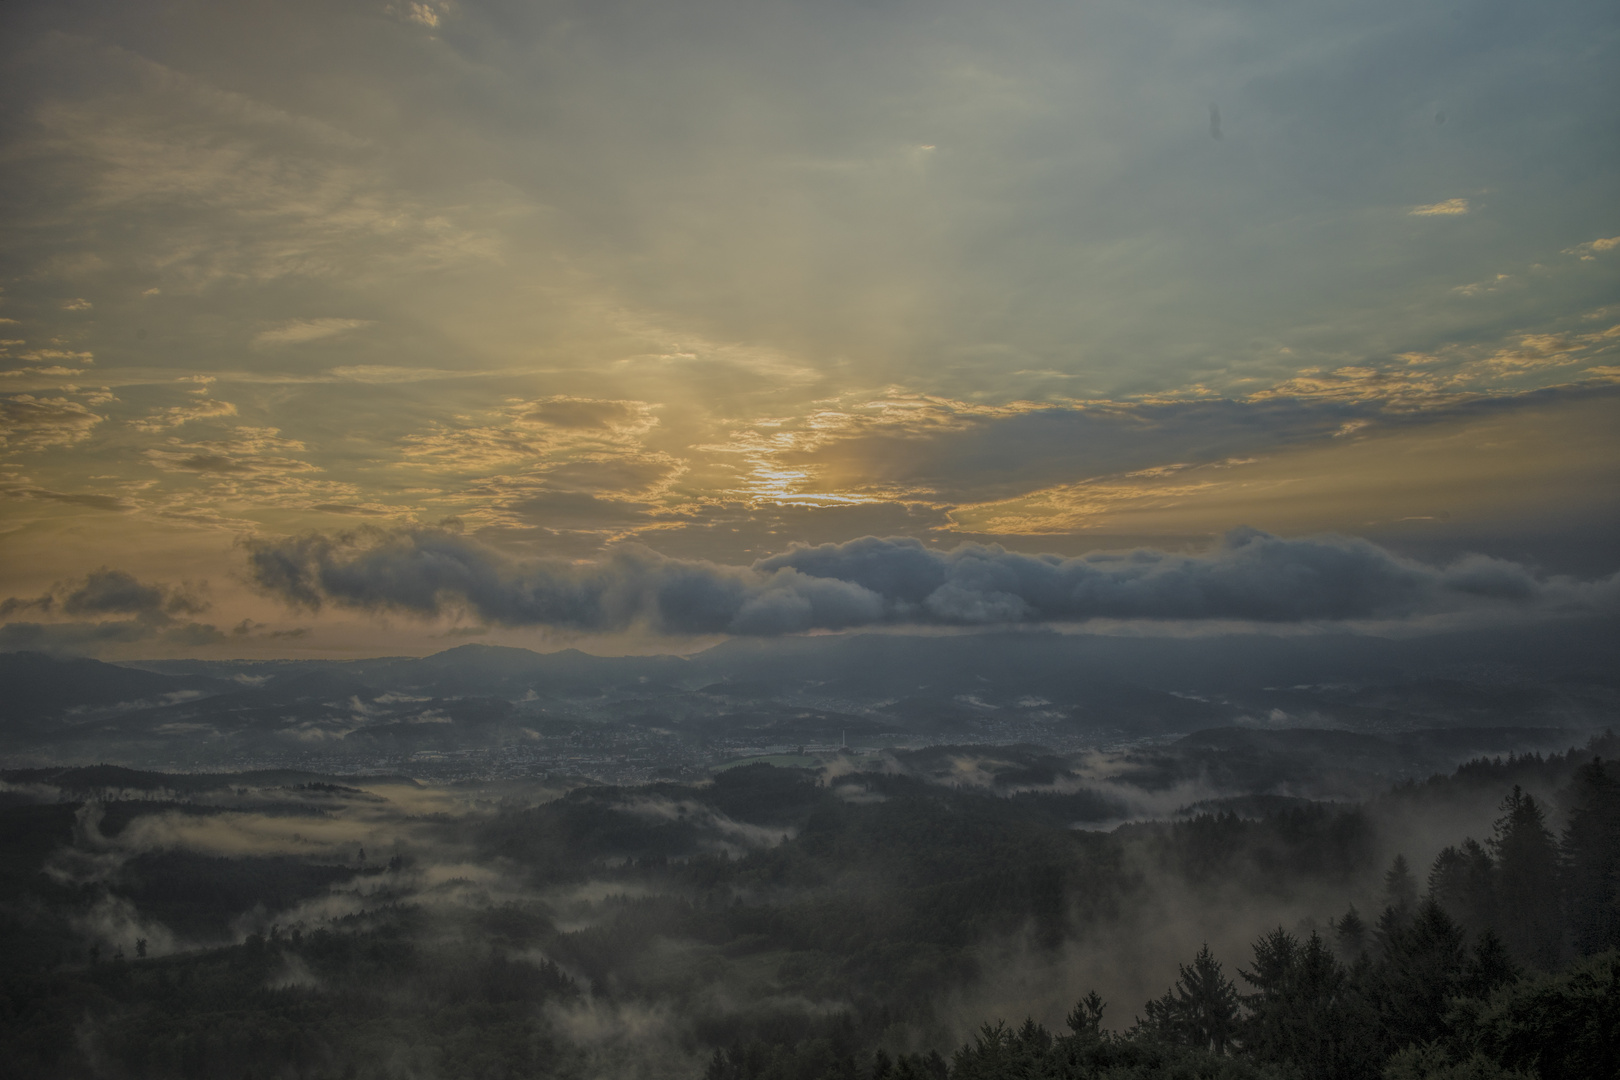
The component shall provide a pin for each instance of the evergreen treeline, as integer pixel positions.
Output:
(1424, 1009)
(1461, 982)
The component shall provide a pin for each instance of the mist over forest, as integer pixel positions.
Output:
(1004, 855)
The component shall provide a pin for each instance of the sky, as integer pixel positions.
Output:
(357, 328)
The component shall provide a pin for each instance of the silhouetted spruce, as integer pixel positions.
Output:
(1591, 854)
(1528, 878)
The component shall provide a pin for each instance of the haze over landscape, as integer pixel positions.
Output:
(790, 531)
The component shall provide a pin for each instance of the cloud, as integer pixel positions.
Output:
(391, 373)
(113, 592)
(578, 412)
(248, 453)
(572, 510)
(175, 415)
(1446, 208)
(872, 581)
(300, 331)
(71, 638)
(350, 508)
(424, 572)
(108, 591)
(151, 610)
(527, 431)
(91, 638)
(208, 185)
(31, 423)
(1590, 250)
(940, 450)
(951, 453)
(41, 355)
(974, 213)
(90, 500)
(421, 14)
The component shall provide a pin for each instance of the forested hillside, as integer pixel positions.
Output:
(782, 923)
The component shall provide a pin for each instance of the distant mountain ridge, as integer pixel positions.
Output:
(35, 685)
(865, 664)
(1037, 687)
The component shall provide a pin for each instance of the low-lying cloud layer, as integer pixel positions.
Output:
(871, 581)
(139, 611)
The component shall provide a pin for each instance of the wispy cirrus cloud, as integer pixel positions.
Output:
(1443, 208)
(265, 194)
(302, 331)
(89, 500)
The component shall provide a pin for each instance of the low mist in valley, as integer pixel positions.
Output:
(485, 886)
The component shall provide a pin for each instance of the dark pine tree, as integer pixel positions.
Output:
(1350, 936)
(1400, 888)
(1527, 882)
(1340, 1025)
(1591, 851)
(1490, 967)
(1463, 881)
(1304, 1015)
(1423, 965)
(1085, 1019)
(1201, 1010)
(1400, 898)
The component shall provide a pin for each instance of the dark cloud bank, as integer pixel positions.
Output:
(109, 607)
(1250, 576)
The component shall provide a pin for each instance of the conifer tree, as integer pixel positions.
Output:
(1527, 880)
(1489, 968)
(1085, 1019)
(1591, 853)
(1400, 898)
(1422, 967)
(1304, 1013)
(1268, 1029)
(1463, 881)
(1400, 888)
(1350, 934)
(1201, 1010)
